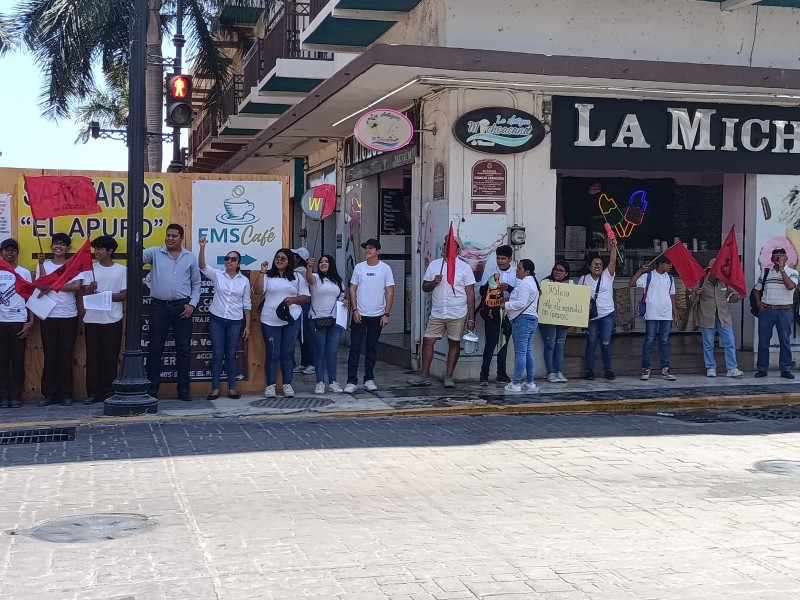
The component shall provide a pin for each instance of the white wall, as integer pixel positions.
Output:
(664, 30)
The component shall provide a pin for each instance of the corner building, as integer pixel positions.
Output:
(679, 114)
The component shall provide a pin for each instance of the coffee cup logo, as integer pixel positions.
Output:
(238, 210)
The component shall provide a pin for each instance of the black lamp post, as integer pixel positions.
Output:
(176, 165)
(131, 386)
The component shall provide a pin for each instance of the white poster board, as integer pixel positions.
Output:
(246, 216)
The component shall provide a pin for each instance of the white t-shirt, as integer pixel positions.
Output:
(12, 305)
(231, 294)
(446, 303)
(112, 279)
(278, 289)
(66, 306)
(324, 295)
(605, 298)
(775, 291)
(509, 277)
(372, 283)
(659, 295)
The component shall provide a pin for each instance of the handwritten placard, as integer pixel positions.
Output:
(564, 304)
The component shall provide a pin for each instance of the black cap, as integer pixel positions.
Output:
(9, 243)
(61, 237)
(105, 241)
(778, 251)
(372, 242)
(283, 313)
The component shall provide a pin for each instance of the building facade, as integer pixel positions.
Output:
(679, 114)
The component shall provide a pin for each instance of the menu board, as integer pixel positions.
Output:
(395, 212)
(200, 350)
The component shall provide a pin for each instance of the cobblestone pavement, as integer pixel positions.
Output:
(579, 507)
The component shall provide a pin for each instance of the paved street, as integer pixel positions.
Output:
(580, 507)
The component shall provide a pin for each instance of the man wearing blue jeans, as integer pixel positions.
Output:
(775, 295)
(659, 294)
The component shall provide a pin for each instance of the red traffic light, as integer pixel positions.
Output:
(179, 87)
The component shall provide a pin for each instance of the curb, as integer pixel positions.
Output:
(543, 408)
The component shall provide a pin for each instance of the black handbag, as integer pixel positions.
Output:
(593, 301)
(324, 323)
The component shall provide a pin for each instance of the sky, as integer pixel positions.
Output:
(28, 140)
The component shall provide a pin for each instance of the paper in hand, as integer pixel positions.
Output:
(341, 314)
(98, 301)
(41, 307)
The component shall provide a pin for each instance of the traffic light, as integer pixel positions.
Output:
(179, 101)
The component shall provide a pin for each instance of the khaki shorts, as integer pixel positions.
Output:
(454, 328)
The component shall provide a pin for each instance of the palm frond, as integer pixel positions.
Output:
(6, 35)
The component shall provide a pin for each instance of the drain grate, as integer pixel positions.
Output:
(37, 436)
(83, 529)
(700, 416)
(291, 403)
(770, 413)
(778, 467)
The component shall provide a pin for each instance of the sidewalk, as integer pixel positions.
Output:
(395, 397)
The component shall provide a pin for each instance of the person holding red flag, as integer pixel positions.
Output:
(15, 323)
(60, 328)
(452, 307)
(713, 298)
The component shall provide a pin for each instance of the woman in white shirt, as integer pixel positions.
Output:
(555, 336)
(327, 290)
(522, 310)
(284, 294)
(230, 316)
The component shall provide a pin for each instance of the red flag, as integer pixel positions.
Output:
(685, 264)
(78, 263)
(450, 253)
(51, 197)
(23, 288)
(727, 267)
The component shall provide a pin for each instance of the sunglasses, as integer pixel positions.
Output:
(231, 259)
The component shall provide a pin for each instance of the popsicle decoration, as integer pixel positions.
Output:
(618, 224)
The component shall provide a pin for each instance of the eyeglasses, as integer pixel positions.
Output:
(231, 259)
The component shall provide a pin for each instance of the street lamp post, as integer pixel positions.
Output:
(131, 386)
(176, 165)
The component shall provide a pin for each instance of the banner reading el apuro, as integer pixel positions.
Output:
(112, 197)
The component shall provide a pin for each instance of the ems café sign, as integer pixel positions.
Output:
(648, 135)
(499, 130)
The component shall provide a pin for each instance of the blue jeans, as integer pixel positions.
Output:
(783, 321)
(727, 341)
(327, 347)
(522, 330)
(554, 338)
(599, 329)
(164, 316)
(225, 334)
(370, 330)
(280, 341)
(652, 329)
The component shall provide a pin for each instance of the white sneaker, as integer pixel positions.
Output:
(288, 390)
(370, 386)
(665, 374)
(645, 375)
(269, 392)
(561, 378)
(299, 369)
(350, 388)
(513, 387)
(309, 370)
(336, 388)
(552, 377)
(530, 387)
(711, 372)
(320, 389)
(734, 373)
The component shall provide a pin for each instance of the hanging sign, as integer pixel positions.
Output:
(384, 129)
(499, 130)
(319, 201)
(489, 179)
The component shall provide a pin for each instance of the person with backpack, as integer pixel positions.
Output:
(601, 324)
(522, 309)
(494, 293)
(774, 295)
(660, 311)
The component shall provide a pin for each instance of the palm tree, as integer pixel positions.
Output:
(6, 40)
(70, 39)
(107, 106)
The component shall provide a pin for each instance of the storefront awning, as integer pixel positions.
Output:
(394, 76)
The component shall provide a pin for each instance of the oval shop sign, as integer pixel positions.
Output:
(498, 130)
(384, 129)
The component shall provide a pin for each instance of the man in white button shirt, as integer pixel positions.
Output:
(450, 307)
(775, 297)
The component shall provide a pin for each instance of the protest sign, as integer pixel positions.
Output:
(564, 304)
